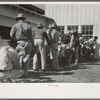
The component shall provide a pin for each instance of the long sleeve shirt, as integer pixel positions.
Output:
(9, 59)
(21, 31)
(40, 34)
(91, 43)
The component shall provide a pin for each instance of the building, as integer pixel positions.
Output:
(9, 12)
(84, 17)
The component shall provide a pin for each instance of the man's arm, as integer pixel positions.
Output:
(46, 36)
(12, 32)
(88, 41)
(31, 36)
(71, 41)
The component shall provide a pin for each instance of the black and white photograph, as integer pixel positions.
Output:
(50, 43)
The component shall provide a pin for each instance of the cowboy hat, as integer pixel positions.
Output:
(95, 37)
(20, 16)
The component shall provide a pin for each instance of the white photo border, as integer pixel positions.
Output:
(44, 90)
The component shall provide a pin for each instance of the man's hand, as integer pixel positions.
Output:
(67, 48)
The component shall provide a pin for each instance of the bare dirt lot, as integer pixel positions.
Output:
(86, 73)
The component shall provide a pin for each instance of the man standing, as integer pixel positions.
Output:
(39, 42)
(49, 30)
(65, 40)
(23, 33)
(55, 38)
(47, 48)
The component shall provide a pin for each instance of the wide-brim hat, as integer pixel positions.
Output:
(12, 42)
(95, 37)
(20, 16)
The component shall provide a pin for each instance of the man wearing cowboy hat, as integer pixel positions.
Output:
(91, 45)
(39, 41)
(9, 62)
(47, 48)
(23, 33)
(73, 46)
(55, 38)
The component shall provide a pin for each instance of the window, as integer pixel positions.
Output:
(5, 32)
(87, 31)
(72, 26)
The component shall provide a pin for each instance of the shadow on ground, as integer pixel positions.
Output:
(40, 77)
(46, 77)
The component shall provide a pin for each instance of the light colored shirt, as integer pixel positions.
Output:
(91, 43)
(21, 31)
(9, 58)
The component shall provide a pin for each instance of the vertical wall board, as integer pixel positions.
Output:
(54, 12)
(74, 14)
(70, 14)
(83, 14)
(66, 14)
(61, 15)
(87, 13)
(96, 18)
(92, 13)
(47, 11)
(78, 14)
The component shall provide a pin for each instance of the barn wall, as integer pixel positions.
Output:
(77, 14)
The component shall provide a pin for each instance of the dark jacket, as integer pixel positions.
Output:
(65, 39)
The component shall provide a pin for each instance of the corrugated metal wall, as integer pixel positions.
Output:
(76, 14)
(73, 14)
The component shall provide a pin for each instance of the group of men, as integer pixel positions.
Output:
(49, 48)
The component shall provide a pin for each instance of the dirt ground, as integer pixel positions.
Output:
(86, 73)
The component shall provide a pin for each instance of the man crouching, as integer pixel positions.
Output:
(9, 62)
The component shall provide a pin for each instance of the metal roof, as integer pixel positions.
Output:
(33, 8)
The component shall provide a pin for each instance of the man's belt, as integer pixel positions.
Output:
(22, 39)
(39, 38)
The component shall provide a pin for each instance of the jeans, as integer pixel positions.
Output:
(54, 62)
(39, 43)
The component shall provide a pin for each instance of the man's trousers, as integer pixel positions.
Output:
(39, 43)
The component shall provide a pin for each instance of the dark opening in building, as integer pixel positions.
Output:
(5, 32)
